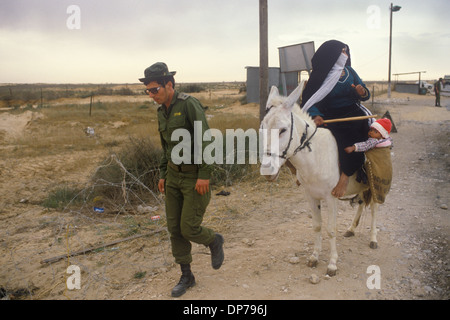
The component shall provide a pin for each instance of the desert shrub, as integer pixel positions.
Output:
(191, 88)
(140, 158)
(61, 197)
(104, 91)
(123, 92)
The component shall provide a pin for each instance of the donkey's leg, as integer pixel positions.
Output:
(331, 229)
(351, 231)
(373, 226)
(317, 227)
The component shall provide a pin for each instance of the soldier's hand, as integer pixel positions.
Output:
(202, 186)
(161, 185)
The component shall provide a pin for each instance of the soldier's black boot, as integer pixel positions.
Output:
(217, 254)
(187, 280)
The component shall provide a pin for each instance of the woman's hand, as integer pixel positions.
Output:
(360, 90)
(318, 120)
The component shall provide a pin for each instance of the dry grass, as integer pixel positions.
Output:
(59, 130)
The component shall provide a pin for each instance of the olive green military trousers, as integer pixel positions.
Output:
(185, 209)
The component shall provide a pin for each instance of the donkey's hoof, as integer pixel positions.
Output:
(373, 244)
(331, 271)
(312, 263)
(349, 234)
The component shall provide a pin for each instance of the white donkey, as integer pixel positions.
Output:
(313, 153)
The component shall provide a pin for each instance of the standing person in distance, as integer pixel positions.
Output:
(437, 92)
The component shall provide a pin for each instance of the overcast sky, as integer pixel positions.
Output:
(113, 41)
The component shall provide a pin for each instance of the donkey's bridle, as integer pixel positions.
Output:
(304, 140)
(283, 155)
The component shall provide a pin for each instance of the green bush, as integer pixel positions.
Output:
(61, 197)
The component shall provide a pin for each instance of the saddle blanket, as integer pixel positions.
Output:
(379, 172)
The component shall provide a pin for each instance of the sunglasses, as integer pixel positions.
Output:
(152, 90)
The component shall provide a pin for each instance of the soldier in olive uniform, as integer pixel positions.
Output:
(437, 92)
(184, 181)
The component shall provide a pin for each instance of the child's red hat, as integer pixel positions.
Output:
(383, 126)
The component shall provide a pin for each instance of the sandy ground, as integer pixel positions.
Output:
(267, 230)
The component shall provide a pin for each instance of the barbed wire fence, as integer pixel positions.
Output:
(89, 233)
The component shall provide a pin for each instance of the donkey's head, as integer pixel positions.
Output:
(278, 131)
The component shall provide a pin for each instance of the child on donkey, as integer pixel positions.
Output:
(378, 137)
(378, 158)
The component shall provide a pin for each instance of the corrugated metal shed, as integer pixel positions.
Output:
(274, 80)
(407, 87)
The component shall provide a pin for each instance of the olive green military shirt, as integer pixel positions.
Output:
(181, 114)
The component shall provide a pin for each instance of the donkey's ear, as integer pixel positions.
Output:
(273, 93)
(294, 96)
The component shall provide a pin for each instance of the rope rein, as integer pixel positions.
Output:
(305, 142)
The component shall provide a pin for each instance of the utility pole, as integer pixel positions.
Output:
(263, 58)
(391, 9)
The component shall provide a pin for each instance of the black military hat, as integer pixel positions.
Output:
(156, 71)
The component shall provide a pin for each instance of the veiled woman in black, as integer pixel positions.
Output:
(334, 90)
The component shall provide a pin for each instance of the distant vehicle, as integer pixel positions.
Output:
(446, 87)
(424, 84)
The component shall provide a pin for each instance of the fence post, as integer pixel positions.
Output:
(90, 106)
(373, 95)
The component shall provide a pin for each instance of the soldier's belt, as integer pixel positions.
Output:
(183, 167)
